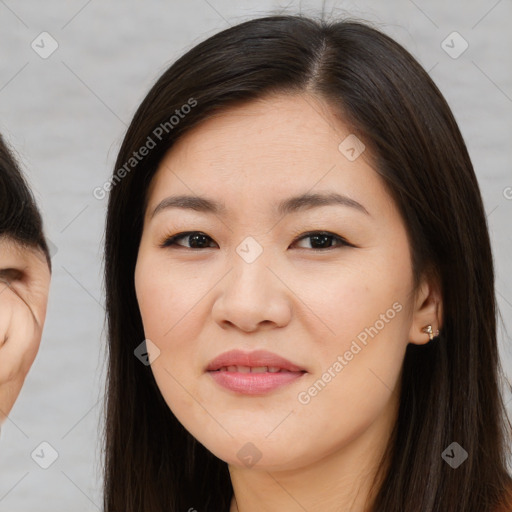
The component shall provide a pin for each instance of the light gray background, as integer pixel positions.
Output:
(66, 115)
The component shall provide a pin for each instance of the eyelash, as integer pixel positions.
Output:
(170, 241)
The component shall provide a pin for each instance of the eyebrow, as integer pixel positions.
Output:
(301, 202)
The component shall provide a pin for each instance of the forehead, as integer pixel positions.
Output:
(277, 127)
(267, 149)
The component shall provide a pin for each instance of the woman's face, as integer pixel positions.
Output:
(251, 279)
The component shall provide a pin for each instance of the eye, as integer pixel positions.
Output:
(320, 240)
(10, 274)
(197, 239)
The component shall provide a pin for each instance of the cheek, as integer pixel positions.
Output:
(357, 361)
(357, 301)
(170, 310)
(363, 316)
(167, 299)
(358, 358)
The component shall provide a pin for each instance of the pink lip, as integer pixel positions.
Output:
(255, 358)
(253, 383)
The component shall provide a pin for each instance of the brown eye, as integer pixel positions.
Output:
(321, 240)
(197, 240)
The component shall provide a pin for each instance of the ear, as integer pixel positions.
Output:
(428, 310)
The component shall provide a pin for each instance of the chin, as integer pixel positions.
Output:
(258, 453)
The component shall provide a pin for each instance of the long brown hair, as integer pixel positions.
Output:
(450, 387)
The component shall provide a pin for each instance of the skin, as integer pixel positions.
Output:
(24, 287)
(304, 303)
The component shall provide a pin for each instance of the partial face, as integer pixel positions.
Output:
(325, 285)
(24, 286)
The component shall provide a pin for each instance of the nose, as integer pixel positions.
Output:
(252, 296)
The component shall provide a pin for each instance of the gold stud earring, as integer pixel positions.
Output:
(428, 330)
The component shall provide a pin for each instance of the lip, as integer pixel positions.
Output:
(253, 383)
(252, 359)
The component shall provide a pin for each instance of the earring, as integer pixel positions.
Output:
(431, 334)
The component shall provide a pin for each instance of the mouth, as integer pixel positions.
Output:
(253, 369)
(258, 360)
(253, 373)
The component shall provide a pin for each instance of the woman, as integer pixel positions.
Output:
(299, 280)
(25, 269)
